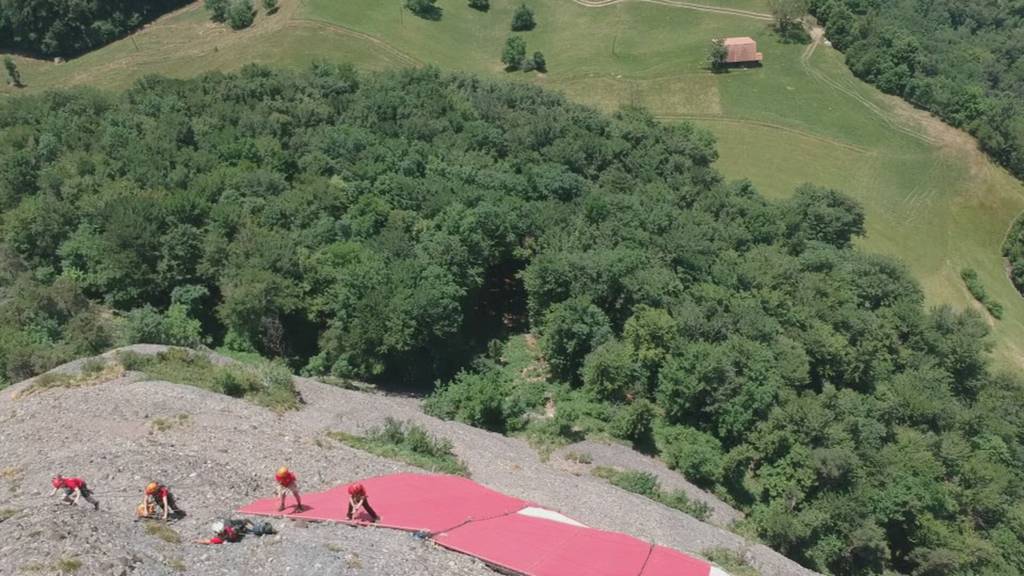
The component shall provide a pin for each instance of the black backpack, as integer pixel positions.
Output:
(262, 528)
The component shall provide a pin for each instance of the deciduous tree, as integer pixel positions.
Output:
(13, 75)
(514, 54)
(522, 19)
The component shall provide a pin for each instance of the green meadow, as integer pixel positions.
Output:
(931, 198)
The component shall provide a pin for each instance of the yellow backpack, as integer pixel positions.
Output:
(145, 510)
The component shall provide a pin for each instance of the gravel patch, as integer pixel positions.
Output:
(219, 453)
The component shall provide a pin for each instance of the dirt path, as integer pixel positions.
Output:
(403, 57)
(817, 34)
(681, 4)
(760, 123)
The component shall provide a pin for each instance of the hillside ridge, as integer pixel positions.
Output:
(105, 433)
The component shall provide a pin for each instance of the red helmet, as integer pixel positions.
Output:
(357, 488)
(57, 481)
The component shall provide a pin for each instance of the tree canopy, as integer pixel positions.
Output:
(71, 27)
(960, 60)
(400, 226)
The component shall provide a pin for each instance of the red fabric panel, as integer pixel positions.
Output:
(431, 502)
(668, 562)
(478, 521)
(540, 547)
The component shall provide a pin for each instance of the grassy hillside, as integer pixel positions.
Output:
(930, 197)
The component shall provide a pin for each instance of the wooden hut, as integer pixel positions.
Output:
(741, 50)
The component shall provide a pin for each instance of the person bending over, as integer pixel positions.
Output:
(159, 496)
(73, 487)
(357, 499)
(286, 482)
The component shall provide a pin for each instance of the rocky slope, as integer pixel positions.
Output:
(218, 452)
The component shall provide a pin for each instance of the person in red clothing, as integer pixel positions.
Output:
(159, 495)
(225, 532)
(73, 487)
(356, 499)
(286, 482)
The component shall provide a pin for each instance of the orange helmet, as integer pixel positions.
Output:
(151, 488)
(282, 472)
(354, 489)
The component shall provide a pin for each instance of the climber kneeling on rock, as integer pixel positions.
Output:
(286, 482)
(159, 495)
(356, 499)
(233, 530)
(73, 487)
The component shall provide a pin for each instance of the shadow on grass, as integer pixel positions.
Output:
(727, 68)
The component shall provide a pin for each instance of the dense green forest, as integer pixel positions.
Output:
(71, 27)
(962, 60)
(400, 227)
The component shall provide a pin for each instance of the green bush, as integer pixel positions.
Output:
(522, 19)
(549, 434)
(275, 386)
(539, 63)
(717, 55)
(13, 75)
(481, 5)
(146, 325)
(514, 54)
(240, 14)
(218, 9)
(646, 484)
(977, 289)
(643, 483)
(493, 397)
(51, 380)
(424, 8)
(479, 399)
(732, 562)
(578, 411)
(409, 443)
(635, 423)
(681, 501)
(133, 360)
(94, 366)
(609, 372)
(571, 330)
(268, 384)
(696, 454)
(231, 382)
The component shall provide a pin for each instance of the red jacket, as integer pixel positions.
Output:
(287, 480)
(69, 483)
